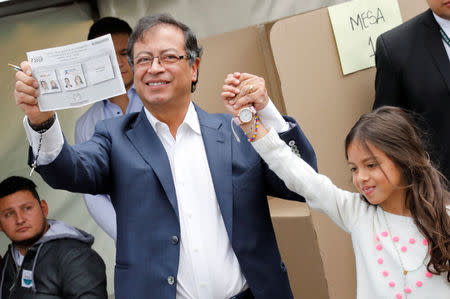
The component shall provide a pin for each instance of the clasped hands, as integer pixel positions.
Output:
(241, 90)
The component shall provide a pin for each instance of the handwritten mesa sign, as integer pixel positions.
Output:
(356, 25)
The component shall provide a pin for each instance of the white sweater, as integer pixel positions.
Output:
(385, 244)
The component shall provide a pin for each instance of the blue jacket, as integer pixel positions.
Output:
(126, 159)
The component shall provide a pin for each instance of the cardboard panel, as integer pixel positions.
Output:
(299, 248)
(326, 104)
(245, 50)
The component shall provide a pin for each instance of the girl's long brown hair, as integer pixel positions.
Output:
(393, 131)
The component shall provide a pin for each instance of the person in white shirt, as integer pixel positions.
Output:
(100, 206)
(193, 221)
(398, 221)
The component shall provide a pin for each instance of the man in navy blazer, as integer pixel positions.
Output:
(191, 201)
(413, 72)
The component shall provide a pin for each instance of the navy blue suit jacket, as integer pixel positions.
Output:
(126, 159)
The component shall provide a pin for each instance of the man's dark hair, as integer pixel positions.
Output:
(107, 25)
(14, 184)
(191, 46)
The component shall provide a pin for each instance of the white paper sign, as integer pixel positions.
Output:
(76, 75)
(357, 25)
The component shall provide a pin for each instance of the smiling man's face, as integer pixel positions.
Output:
(163, 85)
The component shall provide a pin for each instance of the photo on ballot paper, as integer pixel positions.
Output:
(48, 83)
(72, 77)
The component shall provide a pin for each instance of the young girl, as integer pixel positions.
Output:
(398, 221)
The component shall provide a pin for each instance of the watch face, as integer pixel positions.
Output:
(245, 115)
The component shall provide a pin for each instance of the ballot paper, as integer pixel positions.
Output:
(77, 74)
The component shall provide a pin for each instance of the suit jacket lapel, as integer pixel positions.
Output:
(218, 151)
(147, 143)
(433, 41)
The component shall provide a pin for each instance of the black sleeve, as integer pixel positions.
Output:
(388, 89)
(83, 274)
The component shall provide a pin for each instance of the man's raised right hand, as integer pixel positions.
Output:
(26, 93)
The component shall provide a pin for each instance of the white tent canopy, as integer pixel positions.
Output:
(211, 17)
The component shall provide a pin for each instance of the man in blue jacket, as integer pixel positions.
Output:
(191, 201)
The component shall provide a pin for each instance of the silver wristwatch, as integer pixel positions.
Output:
(246, 114)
